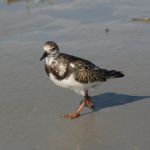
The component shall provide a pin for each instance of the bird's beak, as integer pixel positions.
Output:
(44, 55)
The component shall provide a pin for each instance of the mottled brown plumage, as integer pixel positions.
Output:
(84, 71)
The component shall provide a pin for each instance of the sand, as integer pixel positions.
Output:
(31, 106)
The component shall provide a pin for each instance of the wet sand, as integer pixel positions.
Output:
(31, 106)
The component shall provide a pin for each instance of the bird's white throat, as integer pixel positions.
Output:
(50, 59)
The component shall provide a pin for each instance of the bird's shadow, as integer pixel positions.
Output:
(113, 99)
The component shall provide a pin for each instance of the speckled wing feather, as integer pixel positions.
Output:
(84, 71)
(87, 72)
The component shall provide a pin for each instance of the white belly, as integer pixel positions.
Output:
(71, 83)
(67, 83)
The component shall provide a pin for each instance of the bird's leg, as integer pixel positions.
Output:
(77, 113)
(88, 101)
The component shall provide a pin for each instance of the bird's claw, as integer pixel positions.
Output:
(71, 115)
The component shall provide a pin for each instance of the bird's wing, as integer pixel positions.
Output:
(87, 72)
(84, 70)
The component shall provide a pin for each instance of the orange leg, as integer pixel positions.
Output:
(88, 101)
(77, 113)
(89, 104)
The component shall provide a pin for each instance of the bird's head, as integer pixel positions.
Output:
(50, 49)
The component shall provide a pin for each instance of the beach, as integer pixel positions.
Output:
(31, 106)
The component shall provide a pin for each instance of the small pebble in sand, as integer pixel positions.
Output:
(107, 30)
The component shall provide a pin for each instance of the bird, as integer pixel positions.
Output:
(75, 73)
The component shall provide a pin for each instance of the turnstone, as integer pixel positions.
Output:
(74, 73)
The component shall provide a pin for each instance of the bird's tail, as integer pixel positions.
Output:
(114, 74)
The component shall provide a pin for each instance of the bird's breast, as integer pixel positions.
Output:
(69, 82)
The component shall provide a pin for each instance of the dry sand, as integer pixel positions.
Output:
(31, 106)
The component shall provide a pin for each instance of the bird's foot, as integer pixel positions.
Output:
(71, 115)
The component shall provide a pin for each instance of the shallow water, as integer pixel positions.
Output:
(31, 106)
